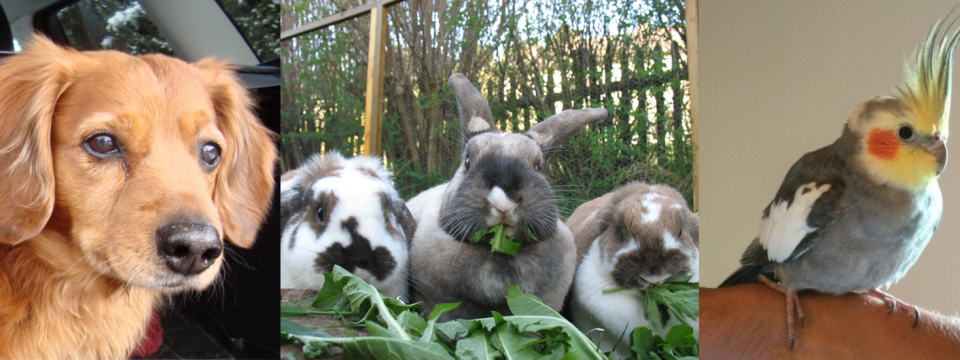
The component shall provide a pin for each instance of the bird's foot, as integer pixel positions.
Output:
(894, 302)
(793, 305)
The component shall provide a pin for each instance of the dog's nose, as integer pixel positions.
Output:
(189, 248)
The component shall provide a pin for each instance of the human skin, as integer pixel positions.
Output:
(749, 322)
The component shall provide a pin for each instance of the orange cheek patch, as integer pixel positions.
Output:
(882, 143)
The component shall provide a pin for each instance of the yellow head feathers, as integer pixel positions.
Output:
(927, 87)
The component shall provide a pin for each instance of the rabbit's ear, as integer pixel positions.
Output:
(475, 116)
(404, 219)
(692, 225)
(291, 197)
(558, 128)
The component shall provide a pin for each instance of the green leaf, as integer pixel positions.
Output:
(438, 311)
(288, 327)
(684, 304)
(376, 330)
(293, 311)
(677, 297)
(477, 346)
(680, 344)
(527, 304)
(331, 297)
(530, 234)
(411, 322)
(503, 244)
(652, 312)
(441, 309)
(499, 242)
(511, 342)
(644, 343)
(616, 289)
(297, 311)
(477, 236)
(452, 330)
(398, 306)
(678, 333)
(359, 293)
(375, 348)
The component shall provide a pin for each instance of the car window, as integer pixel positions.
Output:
(112, 24)
(259, 23)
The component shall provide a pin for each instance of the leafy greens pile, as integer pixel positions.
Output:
(500, 242)
(534, 331)
(679, 297)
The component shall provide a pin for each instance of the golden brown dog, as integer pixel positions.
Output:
(120, 177)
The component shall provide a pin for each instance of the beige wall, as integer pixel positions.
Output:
(779, 79)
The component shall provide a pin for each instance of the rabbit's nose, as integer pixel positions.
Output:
(500, 201)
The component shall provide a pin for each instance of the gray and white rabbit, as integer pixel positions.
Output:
(637, 236)
(345, 212)
(498, 182)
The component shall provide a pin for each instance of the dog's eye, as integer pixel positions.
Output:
(210, 154)
(102, 144)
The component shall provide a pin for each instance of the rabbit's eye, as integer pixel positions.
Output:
(466, 163)
(537, 166)
(320, 213)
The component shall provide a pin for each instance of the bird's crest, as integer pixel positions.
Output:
(927, 86)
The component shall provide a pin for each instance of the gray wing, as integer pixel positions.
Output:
(813, 170)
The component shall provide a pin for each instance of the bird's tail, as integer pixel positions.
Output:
(747, 274)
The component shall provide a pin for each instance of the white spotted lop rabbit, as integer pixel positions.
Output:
(336, 211)
(637, 236)
(498, 182)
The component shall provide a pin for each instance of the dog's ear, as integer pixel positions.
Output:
(30, 85)
(245, 183)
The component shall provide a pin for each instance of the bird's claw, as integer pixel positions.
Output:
(916, 320)
(894, 302)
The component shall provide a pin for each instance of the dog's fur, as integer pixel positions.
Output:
(80, 269)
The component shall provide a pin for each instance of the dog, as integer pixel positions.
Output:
(121, 176)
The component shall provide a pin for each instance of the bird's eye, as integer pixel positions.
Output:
(320, 213)
(210, 154)
(103, 144)
(466, 163)
(905, 133)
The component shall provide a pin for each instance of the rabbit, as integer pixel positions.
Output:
(335, 211)
(498, 182)
(637, 236)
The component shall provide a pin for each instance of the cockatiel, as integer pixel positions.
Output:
(855, 215)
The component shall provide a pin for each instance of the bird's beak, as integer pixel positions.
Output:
(939, 151)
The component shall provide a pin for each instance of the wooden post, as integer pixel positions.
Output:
(373, 115)
(693, 64)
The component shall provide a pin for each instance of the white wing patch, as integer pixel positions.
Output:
(786, 226)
